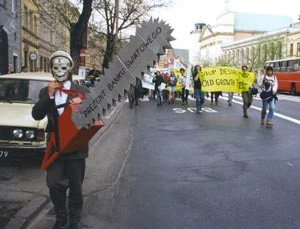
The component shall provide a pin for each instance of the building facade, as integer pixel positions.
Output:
(30, 31)
(230, 27)
(10, 56)
(256, 50)
(45, 28)
(293, 42)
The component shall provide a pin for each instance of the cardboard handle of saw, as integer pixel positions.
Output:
(71, 139)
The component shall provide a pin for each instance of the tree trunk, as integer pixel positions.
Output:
(109, 52)
(79, 33)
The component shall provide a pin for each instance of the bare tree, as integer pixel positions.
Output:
(120, 16)
(78, 31)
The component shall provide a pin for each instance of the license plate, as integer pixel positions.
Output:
(3, 154)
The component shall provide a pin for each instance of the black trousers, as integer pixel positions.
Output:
(62, 175)
(184, 95)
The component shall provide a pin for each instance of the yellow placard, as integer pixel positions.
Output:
(225, 79)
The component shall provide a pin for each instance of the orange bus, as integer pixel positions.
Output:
(288, 74)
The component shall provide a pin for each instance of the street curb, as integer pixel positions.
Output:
(27, 213)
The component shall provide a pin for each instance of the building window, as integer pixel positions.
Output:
(291, 49)
(31, 20)
(243, 56)
(258, 52)
(35, 25)
(25, 17)
(298, 49)
(279, 46)
(265, 52)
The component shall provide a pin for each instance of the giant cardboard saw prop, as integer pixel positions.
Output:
(78, 126)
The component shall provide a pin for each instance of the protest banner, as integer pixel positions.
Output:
(225, 79)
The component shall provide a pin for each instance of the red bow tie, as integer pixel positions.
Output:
(68, 92)
(71, 92)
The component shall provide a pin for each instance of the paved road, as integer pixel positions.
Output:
(167, 167)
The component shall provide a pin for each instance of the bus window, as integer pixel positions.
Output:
(277, 66)
(289, 66)
(297, 65)
(283, 66)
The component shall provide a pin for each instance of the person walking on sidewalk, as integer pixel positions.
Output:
(269, 89)
(67, 171)
(199, 95)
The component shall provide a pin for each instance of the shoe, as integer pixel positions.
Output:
(246, 116)
(262, 122)
(269, 124)
(74, 226)
(229, 103)
(169, 102)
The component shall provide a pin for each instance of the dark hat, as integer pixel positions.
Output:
(269, 68)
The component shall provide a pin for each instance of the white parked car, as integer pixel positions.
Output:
(20, 134)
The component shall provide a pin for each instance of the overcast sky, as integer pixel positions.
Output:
(183, 14)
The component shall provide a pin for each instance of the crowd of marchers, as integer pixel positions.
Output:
(165, 92)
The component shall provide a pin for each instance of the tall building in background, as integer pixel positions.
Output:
(194, 45)
(9, 36)
(231, 26)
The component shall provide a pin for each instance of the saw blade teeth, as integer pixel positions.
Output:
(136, 57)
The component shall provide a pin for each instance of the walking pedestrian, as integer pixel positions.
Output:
(230, 97)
(172, 86)
(215, 94)
(158, 80)
(269, 89)
(184, 91)
(246, 95)
(66, 172)
(199, 95)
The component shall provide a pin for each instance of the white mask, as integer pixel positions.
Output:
(61, 67)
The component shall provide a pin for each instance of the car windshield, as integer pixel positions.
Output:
(20, 90)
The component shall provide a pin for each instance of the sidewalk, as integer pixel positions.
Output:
(41, 205)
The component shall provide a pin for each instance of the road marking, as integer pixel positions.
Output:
(297, 121)
(289, 164)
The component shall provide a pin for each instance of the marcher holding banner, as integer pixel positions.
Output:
(67, 171)
(199, 95)
(246, 93)
(185, 91)
(269, 86)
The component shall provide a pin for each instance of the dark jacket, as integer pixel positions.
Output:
(157, 80)
(46, 107)
(197, 83)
